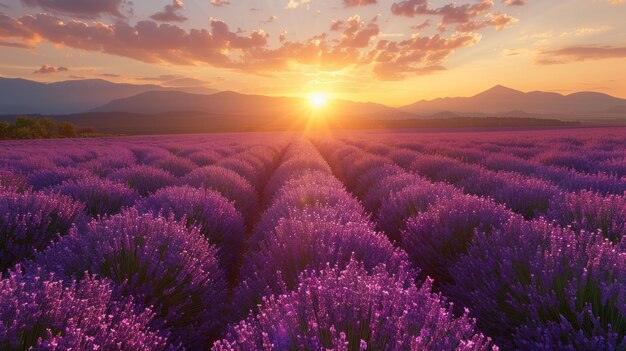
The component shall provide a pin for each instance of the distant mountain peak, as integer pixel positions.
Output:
(499, 90)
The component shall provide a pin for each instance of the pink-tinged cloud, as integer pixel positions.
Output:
(81, 8)
(421, 26)
(416, 56)
(497, 20)
(515, 2)
(48, 69)
(580, 53)
(358, 34)
(10, 44)
(146, 41)
(358, 3)
(171, 13)
(220, 3)
(450, 13)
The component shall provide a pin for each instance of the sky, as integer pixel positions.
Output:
(388, 51)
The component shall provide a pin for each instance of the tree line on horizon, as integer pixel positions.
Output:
(25, 127)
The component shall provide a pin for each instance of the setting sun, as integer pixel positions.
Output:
(318, 100)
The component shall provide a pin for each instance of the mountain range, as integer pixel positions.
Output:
(506, 102)
(21, 96)
(89, 97)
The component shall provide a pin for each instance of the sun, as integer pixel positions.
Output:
(318, 100)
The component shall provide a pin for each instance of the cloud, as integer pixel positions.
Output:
(48, 69)
(220, 3)
(80, 8)
(170, 13)
(145, 41)
(358, 3)
(271, 19)
(450, 13)
(580, 53)
(515, 2)
(294, 4)
(358, 34)
(421, 26)
(9, 44)
(416, 56)
(498, 20)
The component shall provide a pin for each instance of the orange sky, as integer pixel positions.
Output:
(388, 51)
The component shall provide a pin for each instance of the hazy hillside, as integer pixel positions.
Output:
(20, 96)
(232, 103)
(509, 102)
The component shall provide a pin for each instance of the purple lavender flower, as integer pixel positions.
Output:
(213, 214)
(54, 176)
(436, 238)
(230, 184)
(590, 211)
(290, 169)
(157, 261)
(40, 312)
(177, 166)
(29, 222)
(204, 158)
(305, 196)
(352, 310)
(408, 202)
(303, 243)
(534, 286)
(144, 179)
(101, 196)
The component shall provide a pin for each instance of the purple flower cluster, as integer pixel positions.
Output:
(39, 312)
(215, 217)
(351, 309)
(534, 286)
(101, 197)
(591, 212)
(227, 182)
(436, 238)
(29, 222)
(157, 261)
(144, 179)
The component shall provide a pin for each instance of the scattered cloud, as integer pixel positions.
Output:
(48, 69)
(294, 4)
(580, 53)
(220, 3)
(515, 2)
(145, 41)
(80, 8)
(358, 3)
(421, 26)
(170, 13)
(467, 17)
(416, 56)
(10, 44)
(497, 20)
(271, 19)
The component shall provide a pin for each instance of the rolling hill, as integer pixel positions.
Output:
(21, 96)
(506, 102)
(232, 103)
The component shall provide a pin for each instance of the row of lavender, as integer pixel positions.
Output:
(581, 200)
(531, 284)
(163, 272)
(319, 277)
(125, 243)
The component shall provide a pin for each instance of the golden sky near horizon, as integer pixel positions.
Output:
(393, 52)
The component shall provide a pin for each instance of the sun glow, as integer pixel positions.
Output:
(318, 100)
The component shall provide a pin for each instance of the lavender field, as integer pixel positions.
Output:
(351, 241)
